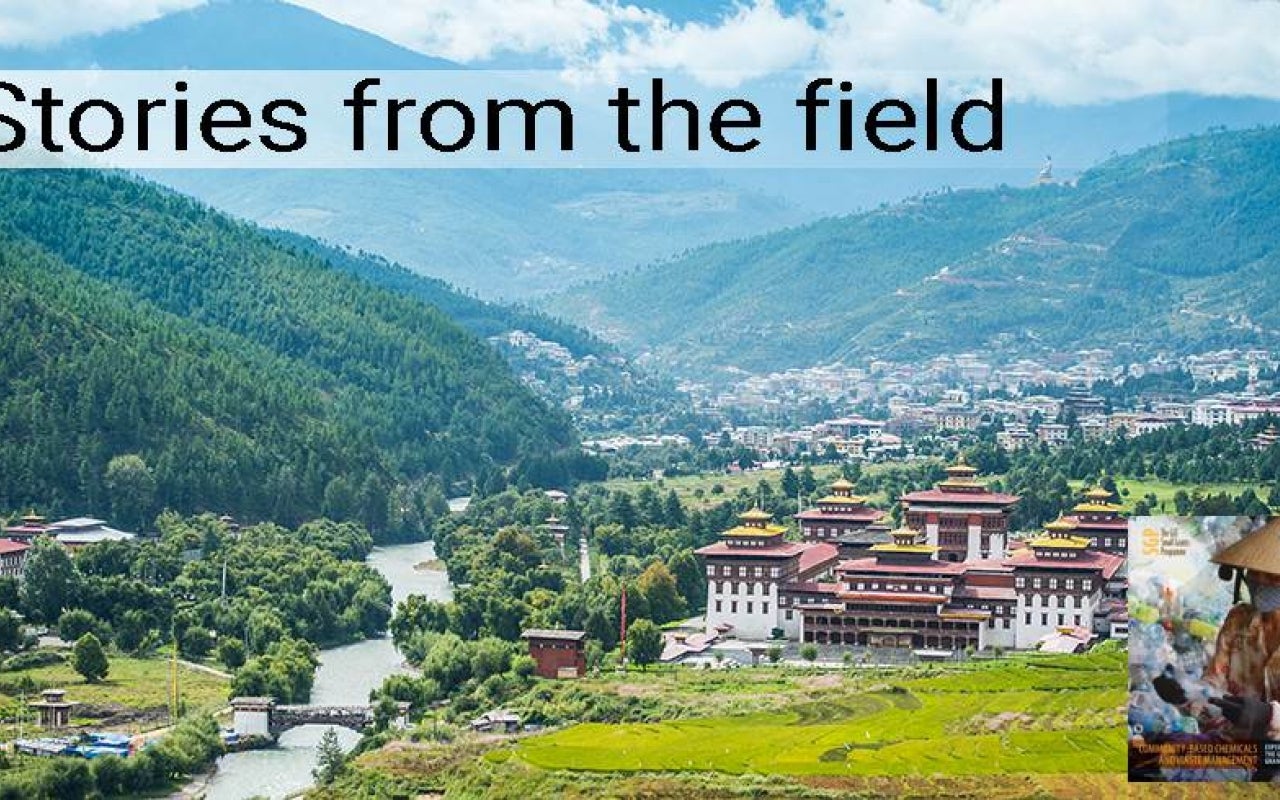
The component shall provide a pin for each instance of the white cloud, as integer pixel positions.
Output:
(38, 22)
(1057, 51)
(1061, 51)
(752, 41)
(475, 30)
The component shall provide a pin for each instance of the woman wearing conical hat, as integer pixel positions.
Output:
(1246, 660)
(1245, 666)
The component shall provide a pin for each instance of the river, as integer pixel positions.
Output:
(346, 676)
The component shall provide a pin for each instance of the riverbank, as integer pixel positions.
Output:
(346, 676)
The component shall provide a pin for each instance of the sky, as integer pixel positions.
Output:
(1062, 52)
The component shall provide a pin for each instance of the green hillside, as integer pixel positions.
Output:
(1171, 248)
(606, 391)
(252, 378)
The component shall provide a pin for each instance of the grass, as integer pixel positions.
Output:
(688, 486)
(1165, 490)
(784, 732)
(1020, 715)
(135, 693)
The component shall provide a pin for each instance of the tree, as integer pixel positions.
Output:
(231, 652)
(74, 623)
(132, 488)
(195, 642)
(809, 652)
(808, 483)
(10, 630)
(790, 483)
(658, 586)
(89, 659)
(690, 578)
(644, 642)
(50, 581)
(132, 628)
(330, 760)
(774, 654)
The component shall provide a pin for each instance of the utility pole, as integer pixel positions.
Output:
(624, 627)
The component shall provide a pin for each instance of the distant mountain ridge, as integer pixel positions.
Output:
(1172, 248)
(225, 34)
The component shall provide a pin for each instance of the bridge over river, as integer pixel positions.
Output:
(263, 716)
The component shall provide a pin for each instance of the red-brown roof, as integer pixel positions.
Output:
(875, 565)
(816, 554)
(8, 546)
(961, 498)
(1090, 560)
(783, 550)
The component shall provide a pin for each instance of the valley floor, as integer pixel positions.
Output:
(1021, 726)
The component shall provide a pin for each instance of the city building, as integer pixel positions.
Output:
(557, 653)
(81, 531)
(1266, 438)
(753, 572)
(27, 528)
(1054, 434)
(960, 516)
(13, 558)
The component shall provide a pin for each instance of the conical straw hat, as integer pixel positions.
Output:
(1259, 550)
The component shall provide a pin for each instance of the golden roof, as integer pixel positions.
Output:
(893, 547)
(755, 530)
(904, 540)
(755, 515)
(960, 468)
(842, 484)
(1098, 493)
(964, 613)
(1097, 508)
(1060, 524)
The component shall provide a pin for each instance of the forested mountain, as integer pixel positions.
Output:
(252, 377)
(566, 365)
(1172, 248)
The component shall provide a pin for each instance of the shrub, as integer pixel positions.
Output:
(89, 659)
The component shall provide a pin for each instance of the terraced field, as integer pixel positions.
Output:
(1048, 715)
